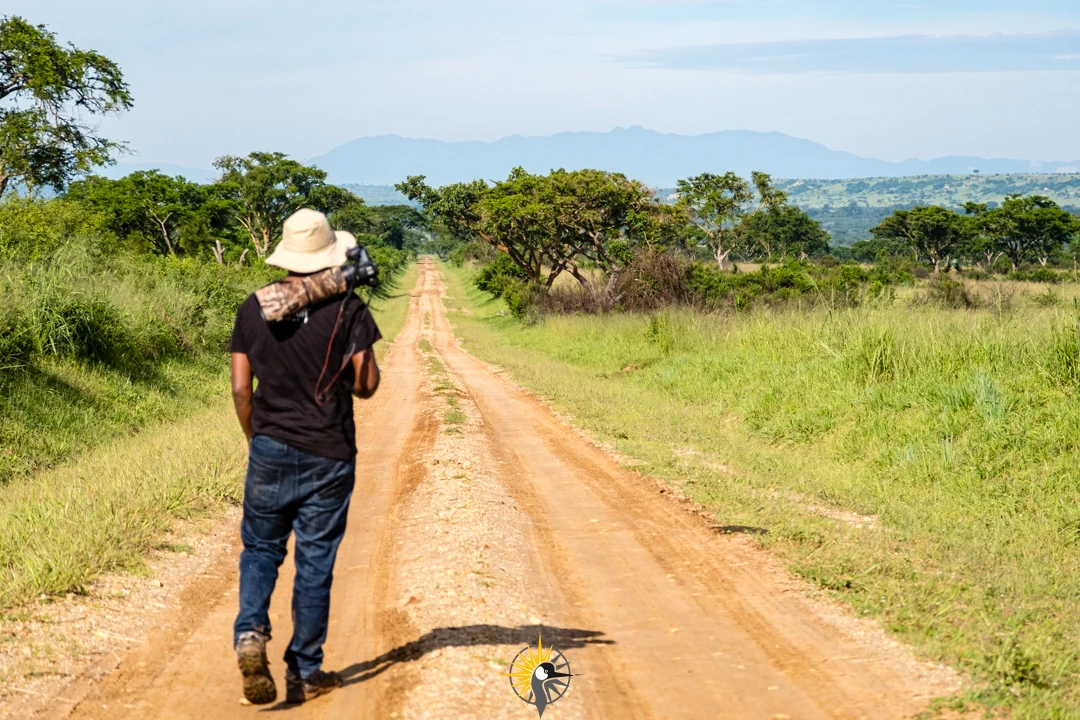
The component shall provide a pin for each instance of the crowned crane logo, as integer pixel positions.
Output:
(540, 675)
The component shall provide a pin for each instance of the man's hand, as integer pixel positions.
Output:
(367, 374)
(241, 391)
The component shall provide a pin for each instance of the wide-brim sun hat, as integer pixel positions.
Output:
(309, 245)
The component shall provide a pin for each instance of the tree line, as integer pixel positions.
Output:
(240, 215)
(1022, 229)
(567, 221)
(579, 220)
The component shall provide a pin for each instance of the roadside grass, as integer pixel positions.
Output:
(919, 464)
(94, 346)
(60, 529)
(110, 505)
(390, 312)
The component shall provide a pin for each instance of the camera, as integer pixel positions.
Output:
(362, 270)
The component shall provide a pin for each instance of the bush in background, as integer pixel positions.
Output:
(654, 280)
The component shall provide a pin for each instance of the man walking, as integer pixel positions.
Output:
(302, 452)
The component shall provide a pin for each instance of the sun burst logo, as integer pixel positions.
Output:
(540, 675)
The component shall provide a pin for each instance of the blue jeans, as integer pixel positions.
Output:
(290, 491)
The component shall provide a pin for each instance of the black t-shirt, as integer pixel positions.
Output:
(287, 358)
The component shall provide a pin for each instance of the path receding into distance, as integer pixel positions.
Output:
(467, 541)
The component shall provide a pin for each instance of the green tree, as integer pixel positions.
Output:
(783, 231)
(716, 204)
(1024, 228)
(983, 244)
(169, 214)
(601, 219)
(395, 225)
(451, 209)
(265, 188)
(50, 94)
(933, 232)
(147, 204)
(720, 205)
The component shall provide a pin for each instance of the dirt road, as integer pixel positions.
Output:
(479, 521)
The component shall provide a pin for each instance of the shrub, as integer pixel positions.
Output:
(31, 229)
(1039, 274)
(475, 250)
(520, 296)
(1047, 299)
(652, 280)
(841, 285)
(948, 293)
(498, 275)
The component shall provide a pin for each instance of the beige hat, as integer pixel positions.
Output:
(309, 245)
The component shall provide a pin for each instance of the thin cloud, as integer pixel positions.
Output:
(914, 54)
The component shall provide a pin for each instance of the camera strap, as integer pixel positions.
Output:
(322, 394)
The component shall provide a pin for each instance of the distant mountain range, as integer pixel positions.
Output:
(653, 157)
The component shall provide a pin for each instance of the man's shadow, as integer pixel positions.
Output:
(467, 636)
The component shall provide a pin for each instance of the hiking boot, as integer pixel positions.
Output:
(259, 686)
(320, 683)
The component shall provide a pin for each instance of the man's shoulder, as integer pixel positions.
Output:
(248, 306)
(248, 315)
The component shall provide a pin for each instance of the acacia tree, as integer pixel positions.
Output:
(48, 94)
(602, 218)
(984, 235)
(772, 201)
(720, 205)
(395, 225)
(1024, 228)
(716, 203)
(266, 188)
(778, 232)
(931, 231)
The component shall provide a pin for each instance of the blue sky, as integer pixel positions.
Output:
(889, 79)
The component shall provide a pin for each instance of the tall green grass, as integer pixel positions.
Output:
(94, 344)
(953, 433)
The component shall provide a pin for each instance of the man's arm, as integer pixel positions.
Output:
(367, 374)
(241, 391)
